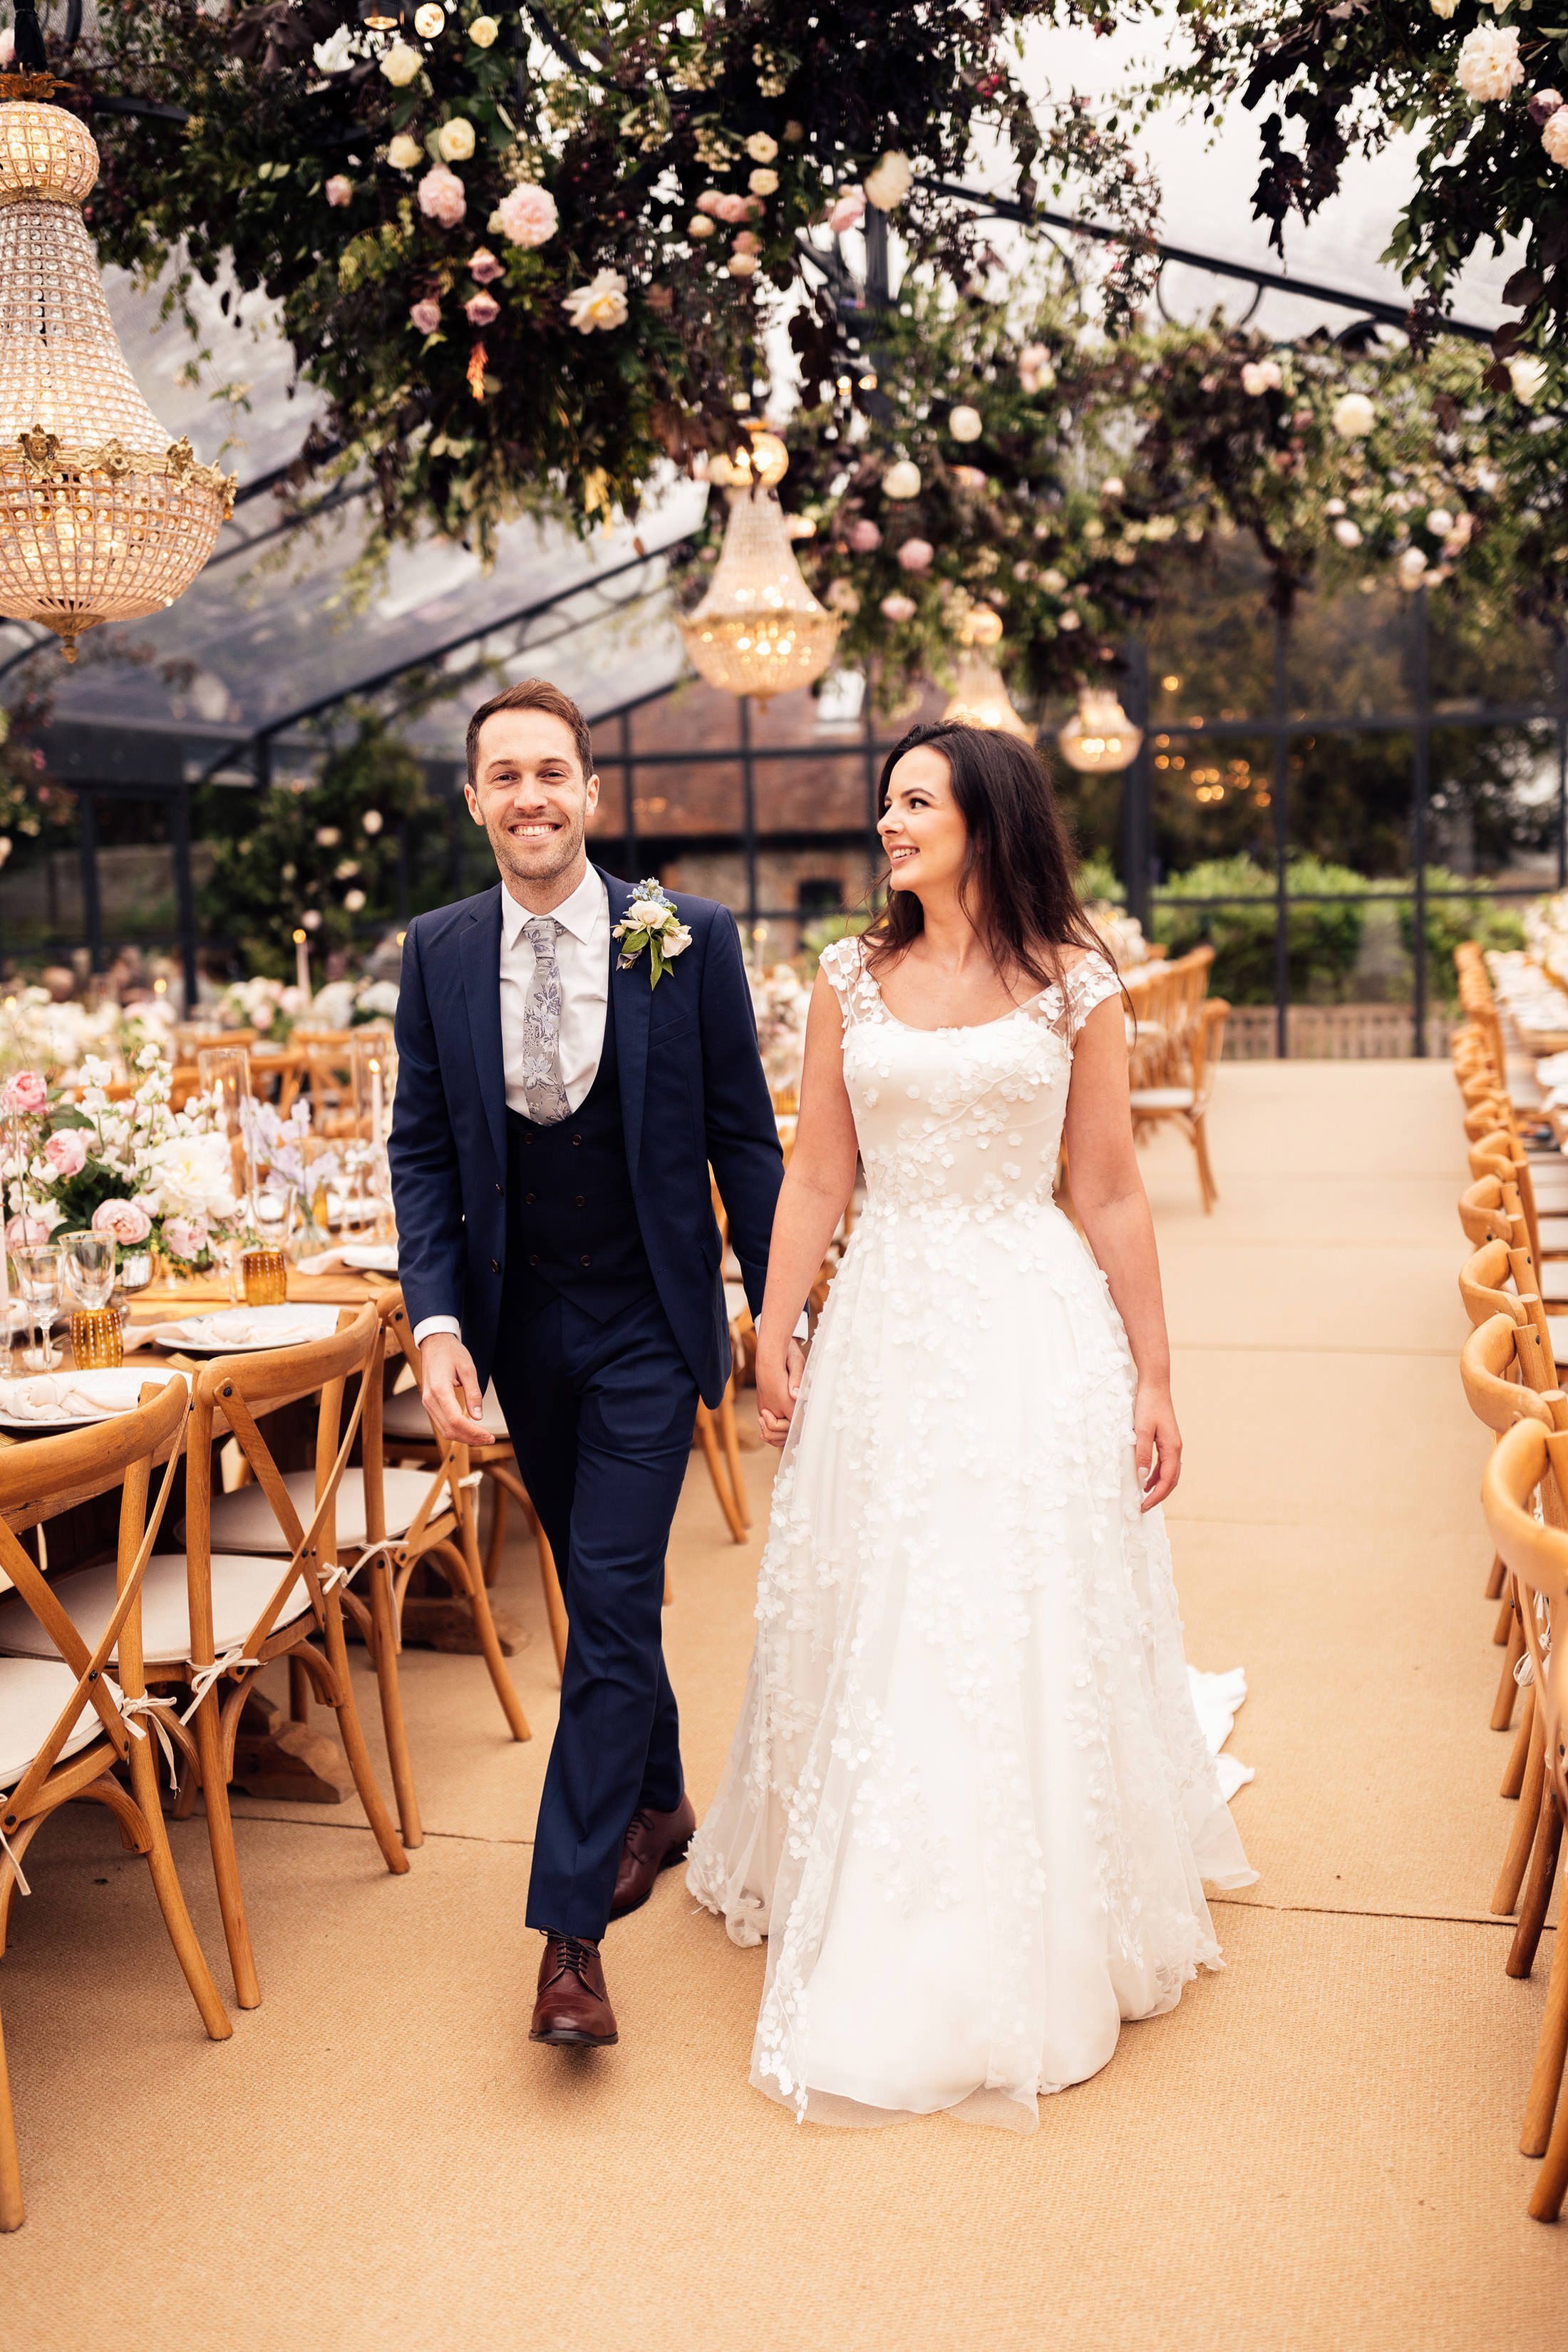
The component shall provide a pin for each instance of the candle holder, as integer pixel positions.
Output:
(266, 1273)
(96, 1340)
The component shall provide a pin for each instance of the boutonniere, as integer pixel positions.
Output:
(652, 926)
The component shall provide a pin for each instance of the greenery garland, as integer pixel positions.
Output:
(528, 259)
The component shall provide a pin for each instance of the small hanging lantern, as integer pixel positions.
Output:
(758, 630)
(980, 697)
(1100, 738)
(102, 517)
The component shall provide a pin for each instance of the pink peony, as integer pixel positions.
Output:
(865, 537)
(915, 555)
(733, 209)
(124, 1221)
(484, 269)
(712, 201)
(848, 213)
(184, 1237)
(527, 216)
(24, 1092)
(425, 315)
(32, 1230)
(338, 189)
(67, 1152)
(441, 196)
(898, 608)
(480, 309)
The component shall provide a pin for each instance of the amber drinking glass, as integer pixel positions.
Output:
(97, 1341)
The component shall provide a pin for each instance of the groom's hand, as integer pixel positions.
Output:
(450, 1392)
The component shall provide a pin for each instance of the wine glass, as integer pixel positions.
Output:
(87, 1268)
(39, 1273)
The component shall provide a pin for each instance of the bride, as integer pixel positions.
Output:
(968, 1801)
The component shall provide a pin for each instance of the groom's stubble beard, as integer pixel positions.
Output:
(542, 861)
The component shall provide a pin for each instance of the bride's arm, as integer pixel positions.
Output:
(1107, 1193)
(816, 1186)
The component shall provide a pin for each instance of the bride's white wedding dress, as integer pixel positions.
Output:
(969, 1802)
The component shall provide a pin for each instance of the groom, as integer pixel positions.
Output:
(557, 1115)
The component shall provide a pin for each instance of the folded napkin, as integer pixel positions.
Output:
(253, 1326)
(55, 1397)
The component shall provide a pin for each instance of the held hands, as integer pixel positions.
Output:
(778, 1385)
(450, 1392)
(1158, 1441)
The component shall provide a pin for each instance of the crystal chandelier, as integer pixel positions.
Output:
(102, 517)
(1099, 737)
(758, 630)
(980, 697)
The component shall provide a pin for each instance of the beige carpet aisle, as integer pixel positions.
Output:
(1316, 2152)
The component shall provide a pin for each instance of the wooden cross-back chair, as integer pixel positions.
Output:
(1530, 1459)
(249, 1603)
(1186, 1098)
(1498, 1366)
(68, 1724)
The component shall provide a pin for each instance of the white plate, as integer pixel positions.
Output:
(241, 1331)
(92, 1396)
(372, 1257)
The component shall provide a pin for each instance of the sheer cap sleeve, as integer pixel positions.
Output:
(1090, 983)
(842, 966)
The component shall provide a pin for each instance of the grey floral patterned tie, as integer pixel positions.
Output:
(541, 1082)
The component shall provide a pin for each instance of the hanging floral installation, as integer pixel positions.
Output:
(528, 258)
(1489, 101)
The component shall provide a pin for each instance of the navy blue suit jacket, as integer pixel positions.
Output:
(693, 1095)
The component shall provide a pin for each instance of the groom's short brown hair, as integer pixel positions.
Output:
(532, 694)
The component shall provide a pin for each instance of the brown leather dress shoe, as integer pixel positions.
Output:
(655, 1842)
(573, 2006)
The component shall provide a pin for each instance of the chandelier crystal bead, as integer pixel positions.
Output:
(102, 517)
(758, 630)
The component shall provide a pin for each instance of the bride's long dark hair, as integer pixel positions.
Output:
(1016, 886)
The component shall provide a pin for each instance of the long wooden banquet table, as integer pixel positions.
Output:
(276, 1758)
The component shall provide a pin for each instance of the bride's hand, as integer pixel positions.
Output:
(778, 1385)
(1158, 1444)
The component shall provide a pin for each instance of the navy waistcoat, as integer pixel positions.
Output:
(572, 1219)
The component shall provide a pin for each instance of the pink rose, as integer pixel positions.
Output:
(32, 1230)
(527, 214)
(898, 608)
(67, 1152)
(425, 315)
(24, 1092)
(484, 269)
(338, 189)
(733, 209)
(185, 1237)
(709, 202)
(865, 537)
(915, 555)
(848, 213)
(748, 241)
(480, 309)
(441, 196)
(122, 1221)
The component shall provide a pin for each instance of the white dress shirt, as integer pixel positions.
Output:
(583, 953)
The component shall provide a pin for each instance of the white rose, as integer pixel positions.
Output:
(763, 184)
(482, 32)
(1528, 376)
(901, 480)
(1260, 377)
(1411, 569)
(1439, 523)
(889, 182)
(1054, 582)
(430, 20)
(699, 227)
(404, 153)
(601, 304)
(742, 265)
(1488, 63)
(646, 914)
(761, 148)
(1347, 532)
(1353, 417)
(456, 140)
(965, 424)
(333, 55)
(401, 64)
(674, 942)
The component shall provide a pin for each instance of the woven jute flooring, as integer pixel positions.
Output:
(1318, 2152)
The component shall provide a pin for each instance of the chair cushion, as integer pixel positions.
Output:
(33, 1696)
(244, 1520)
(1156, 1098)
(242, 1586)
(404, 1416)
